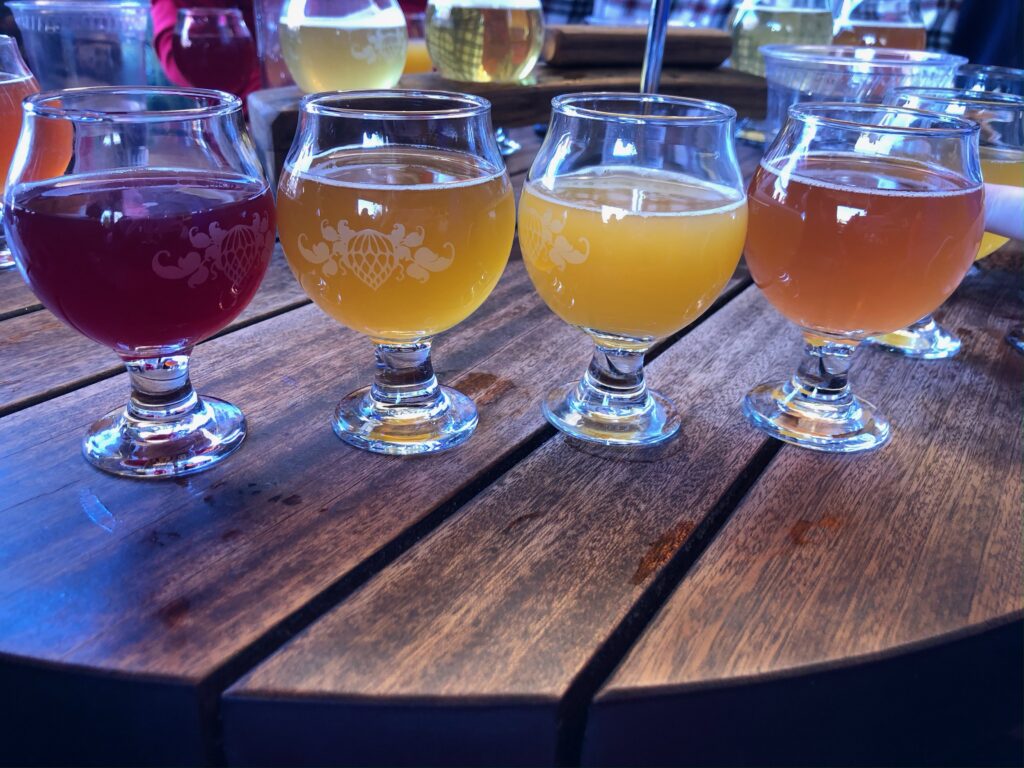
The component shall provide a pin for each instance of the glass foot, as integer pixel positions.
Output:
(784, 412)
(607, 422)
(924, 340)
(122, 444)
(405, 429)
(1015, 339)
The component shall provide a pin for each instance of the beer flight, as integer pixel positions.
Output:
(141, 217)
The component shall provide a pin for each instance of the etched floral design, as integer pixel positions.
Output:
(541, 233)
(380, 44)
(374, 257)
(232, 253)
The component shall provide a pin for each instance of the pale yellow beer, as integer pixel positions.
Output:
(328, 54)
(396, 244)
(999, 166)
(637, 253)
(489, 41)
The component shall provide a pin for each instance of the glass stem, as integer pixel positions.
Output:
(161, 389)
(405, 375)
(615, 379)
(823, 375)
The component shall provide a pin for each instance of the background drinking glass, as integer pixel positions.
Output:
(213, 49)
(343, 44)
(1001, 141)
(881, 24)
(153, 234)
(840, 181)
(988, 78)
(762, 22)
(16, 82)
(631, 222)
(485, 41)
(417, 58)
(397, 219)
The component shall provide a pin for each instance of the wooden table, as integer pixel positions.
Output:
(524, 599)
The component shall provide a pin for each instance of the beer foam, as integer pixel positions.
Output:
(604, 179)
(370, 18)
(510, 5)
(814, 181)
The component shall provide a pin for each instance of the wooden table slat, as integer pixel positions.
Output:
(839, 561)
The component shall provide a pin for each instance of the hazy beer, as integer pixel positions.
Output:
(326, 54)
(637, 253)
(848, 244)
(488, 41)
(999, 166)
(396, 244)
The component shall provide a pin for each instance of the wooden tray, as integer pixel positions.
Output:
(584, 45)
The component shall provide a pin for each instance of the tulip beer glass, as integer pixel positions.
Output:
(631, 222)
(1001, 140)
(214, 49)
(862, 218)
(16, 82)
(153, 235)
(397, 218)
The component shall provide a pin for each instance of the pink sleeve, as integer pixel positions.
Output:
(165, 16)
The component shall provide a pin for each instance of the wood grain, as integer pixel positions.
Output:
(43, 357)
(466, 649)
(591, 45)
(835, 562)
(15, 296)
(161, 589)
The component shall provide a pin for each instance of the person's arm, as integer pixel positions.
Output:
(165, 16)
(1004, 211)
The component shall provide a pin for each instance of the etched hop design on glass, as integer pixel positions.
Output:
(343, 44)
(397, 218)
(863, 218)
(1001, 147)
(631, 223)
(141, 217)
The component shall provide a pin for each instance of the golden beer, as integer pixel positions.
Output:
(396, 244)
(999, 166)
(637, 253)
(485, 42)
(326, 54)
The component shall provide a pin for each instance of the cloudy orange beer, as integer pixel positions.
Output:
(849, 246)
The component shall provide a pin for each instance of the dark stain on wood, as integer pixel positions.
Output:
(485, 388)
(661, 550)
(231, 534)
(516, 522)
(163, 538)
(799, 531)
(291, 501)
(173, 613)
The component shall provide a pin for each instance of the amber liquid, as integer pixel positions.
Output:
(396, 244)
(12, 91)
(848, 245)
(905, 36)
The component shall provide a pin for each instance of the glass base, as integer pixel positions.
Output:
(1015, 339)
(655, 421)
(924, 340)
(6, 259)
(781, 411)
(404, 430)
(125, 445)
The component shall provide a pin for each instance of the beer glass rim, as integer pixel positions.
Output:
(847, 55)
(446, 105)
(209, 10)
(963, 95)
(572, 105)
(61, 104)
(992, 69)
(817, 113)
